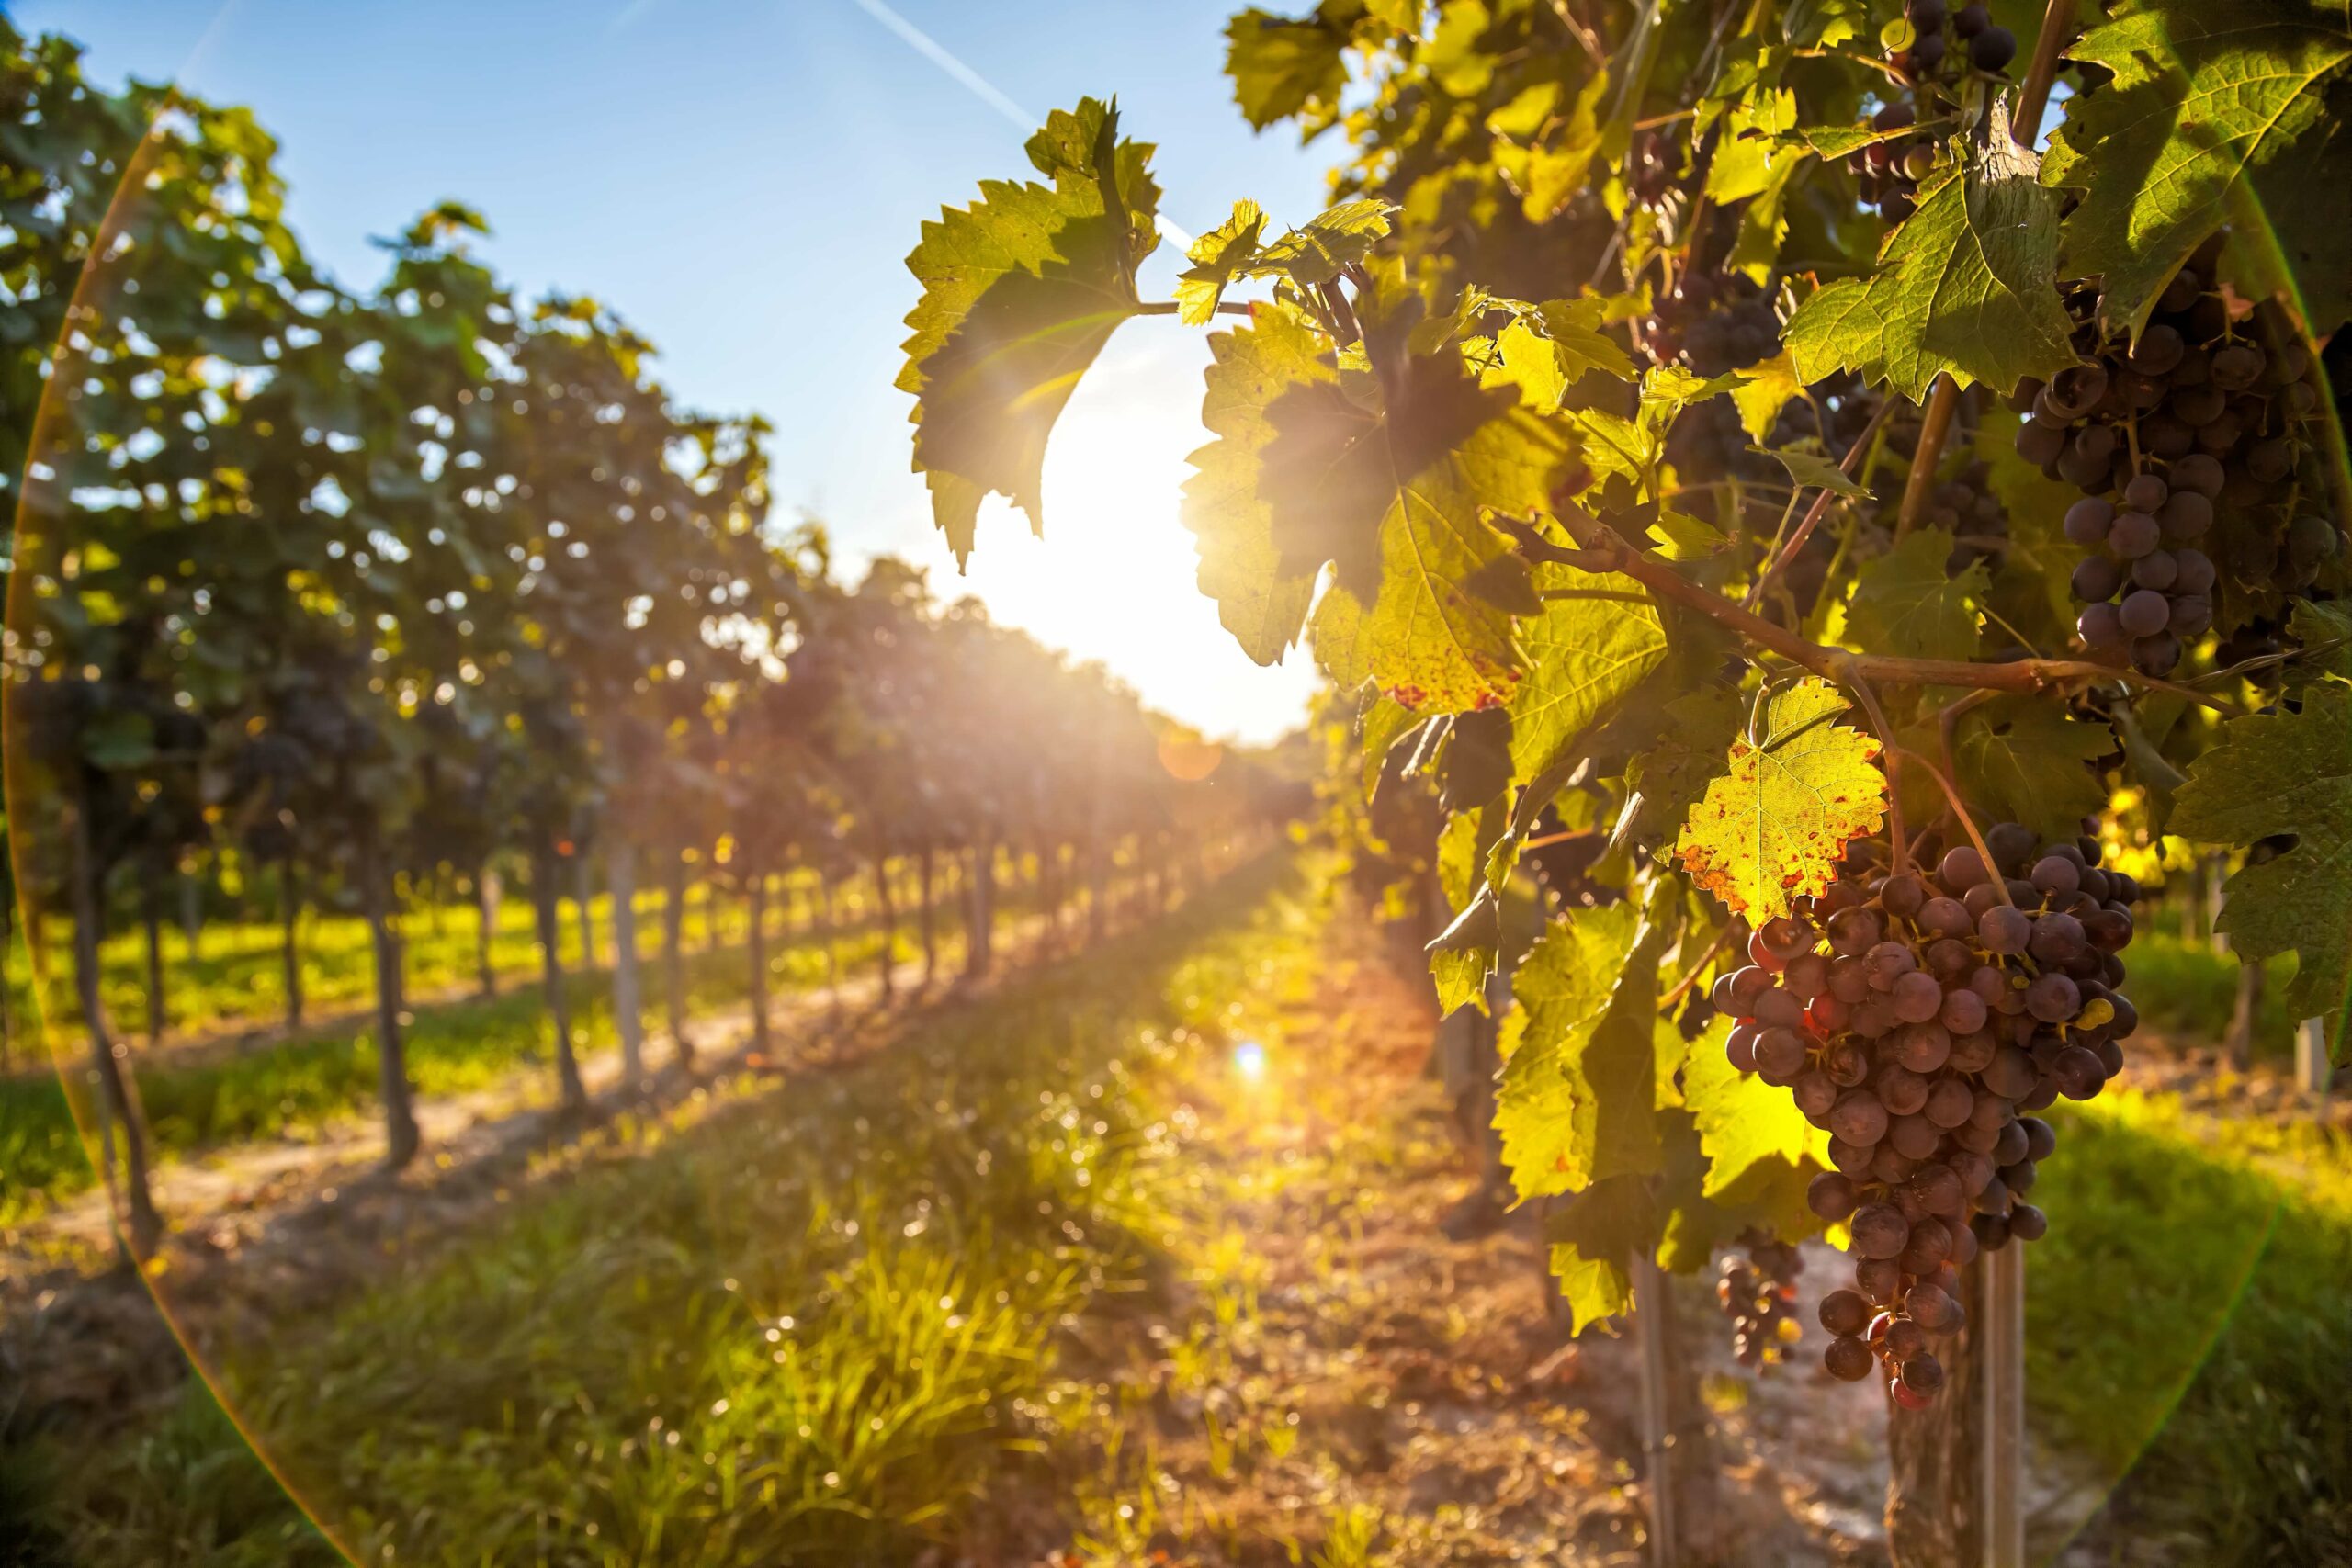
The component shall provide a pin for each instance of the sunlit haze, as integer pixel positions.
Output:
(1112, 577)
(768, 266)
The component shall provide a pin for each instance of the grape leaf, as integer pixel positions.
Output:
(1771, 384)
(1685, 538)
(1281, 68)
(2029, 758)
(1584, 655)
(1665, 782)
(1217, 258)
(1546, 349)
(1810, 470)
(1759, 1147)
(1595, 1236)
(1393, 493)
(1320, 249)
(1547, 164)
(1836, 142)
(1019, 292)
(1967, 286)
(1771, 829)
(2221, 112)
(1260, 599)
(1904, 603)
(1385, 723)
(1464, 953)
(2286, 774)
(1577, 1102)
(2322, 629)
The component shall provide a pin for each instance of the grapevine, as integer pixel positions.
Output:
(1725, 457)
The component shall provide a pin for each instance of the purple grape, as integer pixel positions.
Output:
(2087, 520)
(2143, 612)
(2133, 534)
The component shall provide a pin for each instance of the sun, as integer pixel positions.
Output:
(1113, 577)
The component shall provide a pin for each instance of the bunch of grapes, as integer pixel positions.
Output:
(1919, 1017)
(1712, 324)
(1759, 1294)
(1939, 47)
(2196, 419)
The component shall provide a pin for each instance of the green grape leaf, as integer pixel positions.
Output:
(1281, 68)
(1584, 655)
(2322, 629)
(1667, 390)
(1548, 172)
(1685, 538)
(1545, 349)
(1386, 722)
(1320, 249)
(2221, 112)
(1836, 142)
(1613, 446)
(1664, 783)
(2030, 758)
(1759, 1147)
(1595, 1236)
(1451, 56)
(1966, 285)
(1019, 292)
(1905, 602)
(1577, 1102)
(1810, 470)
(1464, 953)
(1217, 259)
(1396, 496)
(2275, 773)
(1771, 829)
(1771, 384)
(1261, 599)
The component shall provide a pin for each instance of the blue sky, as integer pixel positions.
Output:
(742, 181)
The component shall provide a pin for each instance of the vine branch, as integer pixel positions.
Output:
(1935, 425)
(1601, 549)
(1782, 554)
(2057, 32)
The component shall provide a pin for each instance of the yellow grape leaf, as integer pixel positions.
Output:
(1771, 829)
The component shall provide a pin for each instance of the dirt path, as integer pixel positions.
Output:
(1333, 1377)
(1335, 1381)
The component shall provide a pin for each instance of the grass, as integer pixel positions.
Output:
(294, 1087)
(2185, 990)
(2189, 1323)
(809, 1330)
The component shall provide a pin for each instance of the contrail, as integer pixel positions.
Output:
(979, 86)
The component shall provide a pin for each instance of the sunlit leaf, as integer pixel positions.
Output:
(2290, 774)
(1772, 829)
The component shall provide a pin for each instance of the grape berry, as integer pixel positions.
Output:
(1919, 1017)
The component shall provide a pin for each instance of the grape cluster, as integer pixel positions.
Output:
(2195, 421)
(1945, 45)
(1712, 322)
(1759, 1294)
(1939, 47)
(1919, 1018)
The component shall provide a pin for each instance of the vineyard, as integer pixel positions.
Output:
(1781, 1007)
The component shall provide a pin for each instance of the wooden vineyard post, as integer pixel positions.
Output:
(2313, 1072)
(2004, 1377)
(1657, 1412)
